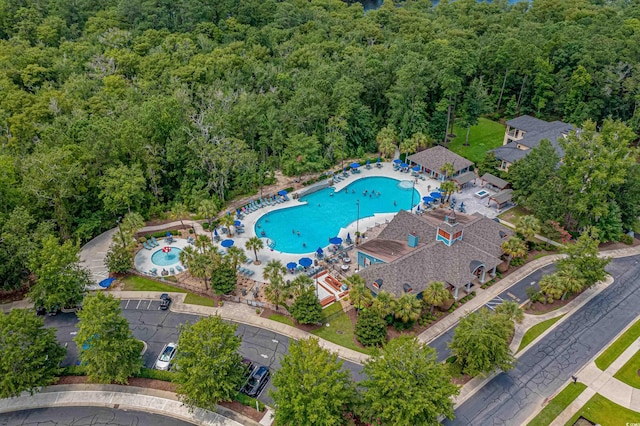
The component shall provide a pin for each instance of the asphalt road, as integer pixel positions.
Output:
(157, 328)
(509, 398)
(516, 292)
(85, 416)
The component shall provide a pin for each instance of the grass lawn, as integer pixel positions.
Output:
(557, 404)
(194, 299)
(512, 215)
(600, 410)
(340, 330)
(136, 283)
(281, 318)
(620, 345)
(483, 137)
(629, 372)
(531, 334)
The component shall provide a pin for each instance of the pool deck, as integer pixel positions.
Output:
(143, 263)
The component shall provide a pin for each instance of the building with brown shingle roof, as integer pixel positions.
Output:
(413, 251)
(432, 160)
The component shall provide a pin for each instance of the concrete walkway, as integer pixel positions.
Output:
(603, 383)
(126, 398)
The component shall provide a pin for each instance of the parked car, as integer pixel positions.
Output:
(166, 356)
(165, 301)
(257, 381)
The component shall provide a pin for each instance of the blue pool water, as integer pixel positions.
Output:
(323, 215)
(160, 258)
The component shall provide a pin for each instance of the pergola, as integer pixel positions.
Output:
(494, 181)
(501, 198)
(464, 178)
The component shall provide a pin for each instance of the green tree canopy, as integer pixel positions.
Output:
(371, 328)
(311, 388)
(306, 309)
(224, 279)
(30, 353)
(583, 259)
(406, 385)
(108, 350)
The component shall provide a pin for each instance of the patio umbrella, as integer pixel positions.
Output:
(106, 282)
(305, 262)
(378, 160)
(435, 194)
(215, 231)
(418, 207)
(335, 240)
(226, 243)
(237, 223)
(292, 265)
(368, 162)
(319, 251)
(404, 165)
(168, 234)
(355, 165)
(397, 161)
(283, 192)
(428, 199)
(348, 236)
(416, 168)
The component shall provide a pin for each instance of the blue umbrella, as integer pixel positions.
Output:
(237, 223)
(368, 162)
(436, 195)
(226, 243)
(378, 159)
(215, 231)
(305, 262)
(397, 161)
(348, 236)
(168, 234)
(319, 251)
(106, 282)
(292, 265)
(428, 199)
(403, 165)
(418, 207)
(283, 192)
(355, 165)
(416, 168)
(335, 240)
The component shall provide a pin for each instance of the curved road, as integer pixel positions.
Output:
(510, 398)
(86, 416)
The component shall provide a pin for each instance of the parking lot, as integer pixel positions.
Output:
(157, 328)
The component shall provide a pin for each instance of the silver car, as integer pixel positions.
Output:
(166, 356)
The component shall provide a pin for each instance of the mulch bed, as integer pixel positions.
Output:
(169, 387)
(540, 308)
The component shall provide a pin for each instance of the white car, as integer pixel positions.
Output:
(166, 356)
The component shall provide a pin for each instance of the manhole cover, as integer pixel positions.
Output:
(340, 332)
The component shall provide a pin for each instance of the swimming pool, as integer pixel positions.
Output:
(304, 228)
(161, 258)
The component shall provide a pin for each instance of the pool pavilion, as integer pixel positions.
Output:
(432, 160)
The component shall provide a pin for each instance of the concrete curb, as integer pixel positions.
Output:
(123, 397)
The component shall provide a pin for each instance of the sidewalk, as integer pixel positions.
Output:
(126, 398)
(241, 313)
(603, 382)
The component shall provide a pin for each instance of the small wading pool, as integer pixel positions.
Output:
(482, 193)
(160, 258)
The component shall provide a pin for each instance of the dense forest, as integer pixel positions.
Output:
(114, 106)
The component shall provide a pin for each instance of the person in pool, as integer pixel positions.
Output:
(263, 233)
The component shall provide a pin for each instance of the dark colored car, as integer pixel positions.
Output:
(257, 381)
(165, 301)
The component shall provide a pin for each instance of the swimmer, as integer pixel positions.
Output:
(318, 205)
(298, 233)
(394, 203)
(370, 195)
(304, 244)
(378, 194)
(331, 195)
(263, 233)
(293, 231)
(266, 220)
(353, 191)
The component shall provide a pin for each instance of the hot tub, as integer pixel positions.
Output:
(482, 194)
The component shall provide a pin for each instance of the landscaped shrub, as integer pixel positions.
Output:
(401, 326)
(518, 261)
(534, 294)
(627, 239)
(205, 225)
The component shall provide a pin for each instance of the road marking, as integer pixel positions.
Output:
(511, 295)
(533, 283)
(125, 306)
(73, 333)
(139, 302)
(149, 305)
(494, 302)
(264, 356)
(274, 341)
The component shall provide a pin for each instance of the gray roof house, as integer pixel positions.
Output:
(413, 251)
(525, 133)
(431, 161)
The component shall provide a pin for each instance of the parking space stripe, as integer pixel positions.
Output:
(127, 305)
(138, 305)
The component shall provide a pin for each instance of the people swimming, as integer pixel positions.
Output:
(263, 233)
(394, 203)
(298, 233)
(304, 244)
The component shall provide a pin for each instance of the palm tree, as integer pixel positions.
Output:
(409, 146)
(274, 272)
(511, 310)
(227, 221)
(514, 247)
(421, 140)
(197, 263)
(359, 295)
(407, 308)
(447, 169)
(570, 278)
(299, 285)
(448, 187)
(552, 287)
(386, 140)
(179, 211)
(131, 223)
(202, 243)
(235, 255)
(255, 244)
(208, 208)
(383, 303)
(528, 226)
(435, 294)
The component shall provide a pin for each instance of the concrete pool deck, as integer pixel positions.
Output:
(144, 264)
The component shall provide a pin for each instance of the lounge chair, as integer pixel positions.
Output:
(179, 269)
(378, 165)
(154, 271)
(173, 271)
(147, 246)
(250, 272)
(154, 241)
